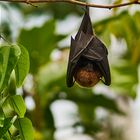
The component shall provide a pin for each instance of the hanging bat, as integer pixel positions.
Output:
(88, 63)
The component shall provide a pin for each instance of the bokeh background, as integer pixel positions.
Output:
(61, 113)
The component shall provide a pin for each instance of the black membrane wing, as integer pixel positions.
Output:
(71, 65)
(97, 52)
(77, 49)
(86, 25)
(104, 68)
(80, 45)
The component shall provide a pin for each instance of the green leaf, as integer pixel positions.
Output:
(11, 89)
(25, 128)
(18, 105)
(7, 109)
(22, 67)
(7, 124)
(14, 104)
(9, 55)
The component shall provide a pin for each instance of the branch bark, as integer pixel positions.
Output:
(77, 2)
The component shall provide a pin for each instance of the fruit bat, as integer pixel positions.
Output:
(88, 62)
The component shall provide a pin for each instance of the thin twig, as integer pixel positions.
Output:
(77, 2)
(30, 3)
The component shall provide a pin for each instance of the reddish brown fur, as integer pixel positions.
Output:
(87, 78)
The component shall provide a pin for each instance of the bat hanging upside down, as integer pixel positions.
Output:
(88, 62)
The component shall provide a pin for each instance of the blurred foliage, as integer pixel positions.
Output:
(42, 41)
(127, 27)
(58, 10)
(48, 75)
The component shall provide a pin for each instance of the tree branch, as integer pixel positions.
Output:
(77, 2)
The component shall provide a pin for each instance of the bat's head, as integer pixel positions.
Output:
(87, 75)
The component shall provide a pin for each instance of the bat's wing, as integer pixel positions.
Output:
(86, 25)
(104, 68)
(79, 46)
(71, 65)
(77, 49)
(97, 52)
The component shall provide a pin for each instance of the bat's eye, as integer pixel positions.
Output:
(87, 76)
